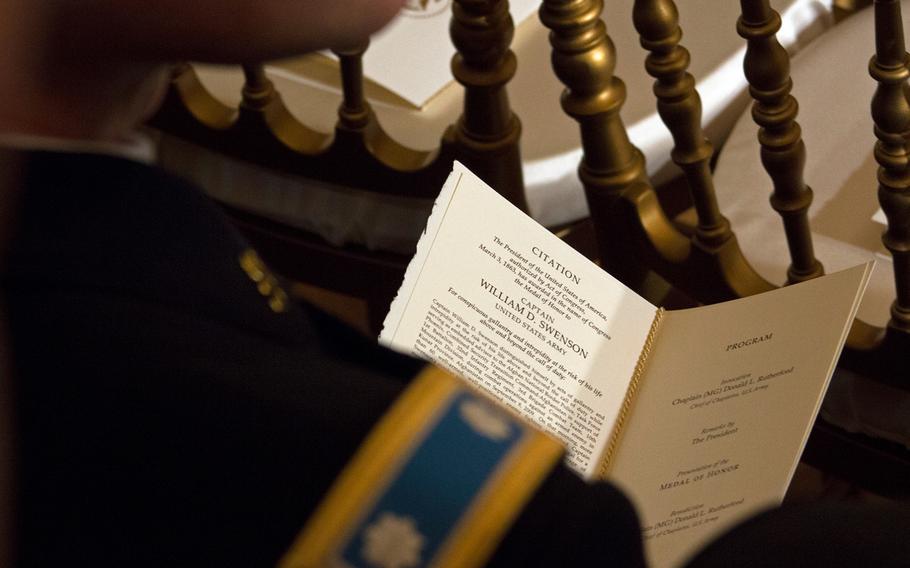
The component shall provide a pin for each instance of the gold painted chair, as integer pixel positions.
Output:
(359, 154)
(365, 198)
(869, 396)
(696, 252)
(688, 256)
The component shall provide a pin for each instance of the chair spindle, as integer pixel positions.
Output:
(263, 116)
(584, 58)
(258, 90)
(353, 112)
(679, 106)
(783, 153)
(487, 133)
(634, 235)
(891, 115)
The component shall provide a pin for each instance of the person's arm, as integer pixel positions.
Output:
(235, 30)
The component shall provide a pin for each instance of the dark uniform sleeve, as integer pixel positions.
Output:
(449, 478)
(570, 522)
(222, 458)
(170, 416)
(834, 534)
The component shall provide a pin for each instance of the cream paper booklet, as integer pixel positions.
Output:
(700, 415)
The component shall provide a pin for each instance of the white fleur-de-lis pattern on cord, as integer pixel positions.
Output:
(392, 541)
(485, 420)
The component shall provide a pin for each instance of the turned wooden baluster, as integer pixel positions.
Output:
(891, 114)
(584, 58)
(767, 68)
(487, 133)
(258, 90)
(264, 117)
(679, 105)
(354, 112)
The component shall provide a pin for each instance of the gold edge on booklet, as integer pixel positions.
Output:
(626, 409)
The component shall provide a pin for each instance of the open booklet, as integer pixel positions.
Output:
(700, 415)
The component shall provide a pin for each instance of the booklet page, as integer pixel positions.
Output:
(726, 403)
(500, 300)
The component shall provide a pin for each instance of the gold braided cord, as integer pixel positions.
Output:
(626, 408)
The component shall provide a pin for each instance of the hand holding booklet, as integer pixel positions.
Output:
(700, 415)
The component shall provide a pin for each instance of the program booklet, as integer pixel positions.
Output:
(700, 415)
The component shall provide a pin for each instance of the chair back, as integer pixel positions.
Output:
(670, 258)
(359, 154)
(638, 240)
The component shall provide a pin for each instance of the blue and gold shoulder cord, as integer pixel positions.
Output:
(438, 482)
